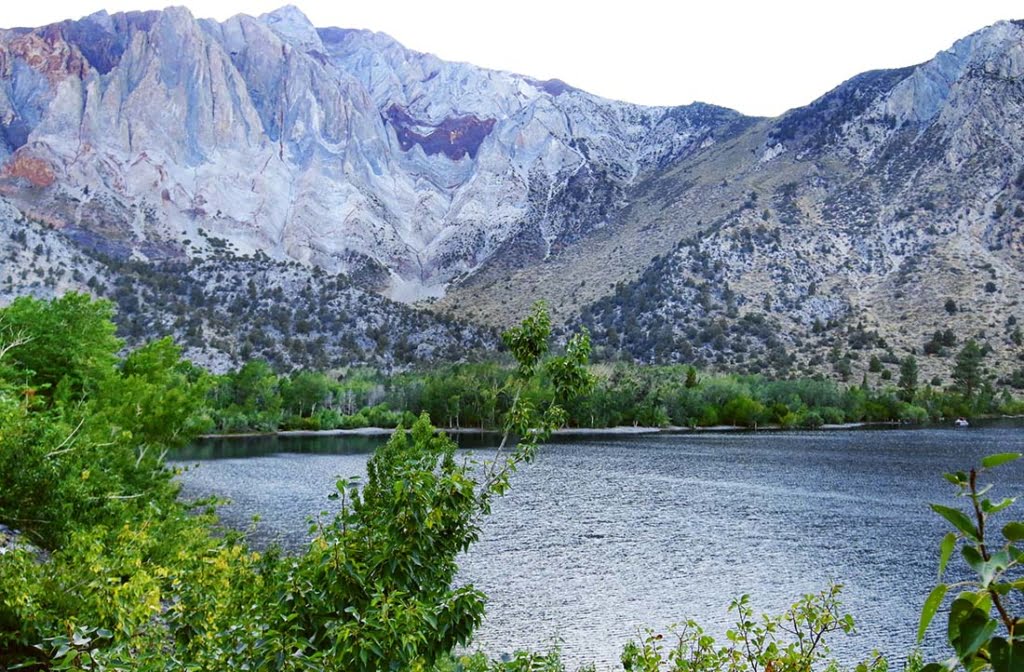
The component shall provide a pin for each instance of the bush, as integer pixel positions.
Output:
(135, 582)
(795, 640)
(981, 623)
(912, 413)
(810, 419)
(830, 415)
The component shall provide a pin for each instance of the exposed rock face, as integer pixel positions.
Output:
(676, 234)
(332, 147)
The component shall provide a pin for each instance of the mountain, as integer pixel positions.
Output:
(857, 226)
(336, 148)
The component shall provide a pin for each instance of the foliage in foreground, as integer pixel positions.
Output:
(795, 641)
(113, 572)
(982, 629)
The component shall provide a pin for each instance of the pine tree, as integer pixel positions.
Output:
(967, 371)
(908, 379)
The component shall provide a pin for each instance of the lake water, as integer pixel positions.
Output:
(602, 536)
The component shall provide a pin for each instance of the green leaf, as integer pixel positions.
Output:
(989, 507)
(970, 625)
(1006, 656)
(931, 605)
(958, 519)
(958, 479)
(1014, 531)
(946, 666)
(946, 550)
(986, 569)
(973, 558)
(993, 461)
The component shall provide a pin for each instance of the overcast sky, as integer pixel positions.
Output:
(758, 57)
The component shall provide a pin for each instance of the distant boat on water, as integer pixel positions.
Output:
(961, 422)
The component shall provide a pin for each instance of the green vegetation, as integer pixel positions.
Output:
(474, 396)
(794, 641)
(111, 571)
(982, 630)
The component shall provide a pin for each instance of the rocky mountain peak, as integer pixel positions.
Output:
(346, 151)
(995, 51)
(294, 27)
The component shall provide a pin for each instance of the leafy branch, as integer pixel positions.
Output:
(981, 629)
(528, 423)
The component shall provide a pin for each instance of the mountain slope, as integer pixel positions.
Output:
(225, 309)
(863, 213)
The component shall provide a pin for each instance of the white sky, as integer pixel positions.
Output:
(758, 57)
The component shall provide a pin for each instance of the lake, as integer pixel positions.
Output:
(602, 536)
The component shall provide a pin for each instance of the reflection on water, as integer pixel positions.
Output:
(218, 448)
(602, 536)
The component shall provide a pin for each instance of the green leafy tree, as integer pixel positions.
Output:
(248, 399)
(531, 422)
(93, 452)
(304, 391)
(136, 583)
(376, 587)
(967, 370)
(743, 411)
(692, 380)
(156, 396)
(68, 343)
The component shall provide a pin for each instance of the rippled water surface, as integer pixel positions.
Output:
(602, 536)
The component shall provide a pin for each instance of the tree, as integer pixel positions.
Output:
(376, 587)
(92, 454)
(967, 370)
(305, 391)
(156, 396)
(69, 343)
(843, 368)
(136, 577)
(253, 395)
(692, 380)
(908, 379)
(378, 581)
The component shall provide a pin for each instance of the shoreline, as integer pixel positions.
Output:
(627, 430)
(624, 430)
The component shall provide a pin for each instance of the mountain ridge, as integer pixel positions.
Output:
(680, 231)
(380, 145)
